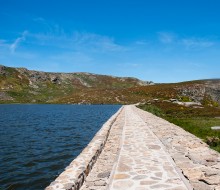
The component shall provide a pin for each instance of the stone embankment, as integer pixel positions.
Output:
(75, 174)
(139, 151)
(100, 175)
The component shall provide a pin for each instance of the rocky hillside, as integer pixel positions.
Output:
(22, 85)
(19, 85)
(206, 91)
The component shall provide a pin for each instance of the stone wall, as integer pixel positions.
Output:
(75, 174)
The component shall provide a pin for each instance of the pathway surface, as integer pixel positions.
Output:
(198, 163)
(145, 152)
(98, 178)
(143, 162)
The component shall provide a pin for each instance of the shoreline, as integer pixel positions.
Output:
(76, 172)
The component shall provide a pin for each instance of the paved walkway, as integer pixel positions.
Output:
(194, 158)
(143, 162)
(98, 178)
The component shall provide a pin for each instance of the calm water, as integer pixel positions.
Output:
(38, 141)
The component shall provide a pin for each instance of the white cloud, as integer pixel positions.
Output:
(48, 26)
(190, 43)
(39, 19)
(4, 45)
(194, 43)
(166, 37)
(96, 42)
(55, 36)
(141, 42)
(77, 41)
(17, 42)
(136, 65)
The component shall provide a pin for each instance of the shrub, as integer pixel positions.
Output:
(213, 141)
(153, 109)
(185, 99)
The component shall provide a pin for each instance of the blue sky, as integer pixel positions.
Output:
(158, 40)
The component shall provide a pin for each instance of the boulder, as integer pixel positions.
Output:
(215, 128)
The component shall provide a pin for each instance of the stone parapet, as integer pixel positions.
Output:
(74, 175)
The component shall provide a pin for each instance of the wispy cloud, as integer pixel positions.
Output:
(55, 36)
(192, 43)
(141, 42)
(48, 27)
(39, 19)
(166, 37)
(96, 42)
(4, 43)
(189, 43)
(77, 41)
(17, 42)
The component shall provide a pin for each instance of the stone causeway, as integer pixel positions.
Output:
(135, 150)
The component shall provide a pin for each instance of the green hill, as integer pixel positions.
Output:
(19, 85)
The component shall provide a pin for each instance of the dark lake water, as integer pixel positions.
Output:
(38, 141)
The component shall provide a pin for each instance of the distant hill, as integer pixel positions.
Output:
(19, 85)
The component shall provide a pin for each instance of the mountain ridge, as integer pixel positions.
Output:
(16, 83)
(20, 85)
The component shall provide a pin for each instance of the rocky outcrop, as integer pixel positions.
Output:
(194, 92)
(2, 70)
(5, 96)
(209, 89)
(214, 93)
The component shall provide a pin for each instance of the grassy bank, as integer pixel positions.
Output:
(197, 121)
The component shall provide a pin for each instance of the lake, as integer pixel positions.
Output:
(37, 142)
